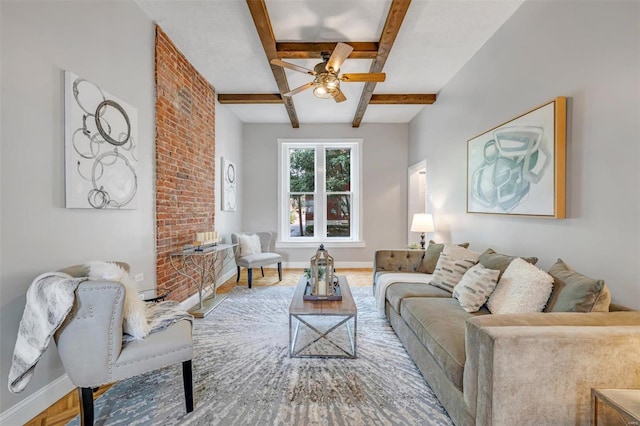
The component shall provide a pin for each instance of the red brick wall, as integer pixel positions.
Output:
(185, 160)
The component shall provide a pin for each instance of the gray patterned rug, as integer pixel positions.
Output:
(243, 376)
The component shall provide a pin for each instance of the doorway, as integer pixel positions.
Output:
(417, 195)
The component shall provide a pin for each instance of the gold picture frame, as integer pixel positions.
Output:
(518, 167)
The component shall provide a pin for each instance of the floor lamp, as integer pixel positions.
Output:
(422, 222)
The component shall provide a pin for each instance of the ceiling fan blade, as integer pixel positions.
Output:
(340, 97)
(299, 89)
(338, 56)
(294, 67)
(376, 77)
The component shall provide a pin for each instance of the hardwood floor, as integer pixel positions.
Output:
(64, 410)
(67, 407)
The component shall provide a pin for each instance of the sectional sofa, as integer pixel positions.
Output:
(514, 368)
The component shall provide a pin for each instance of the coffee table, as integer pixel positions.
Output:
(339, 312)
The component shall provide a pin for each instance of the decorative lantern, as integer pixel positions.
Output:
(322, 273)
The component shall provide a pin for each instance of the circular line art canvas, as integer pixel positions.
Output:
(229, 177)
(101, 133)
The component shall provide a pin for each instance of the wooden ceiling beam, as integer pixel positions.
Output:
(260, 16)
(299, 50)
(276, 98)
(250, 98)
(397, 12)
(408, 99)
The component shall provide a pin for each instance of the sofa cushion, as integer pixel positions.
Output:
(397, 292)
(574, 292)
(454, 261)
(475, 287)
(492, 260)
(522, 288)
(439, 324)
(431, 256)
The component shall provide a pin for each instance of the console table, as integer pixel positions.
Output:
(203, 267)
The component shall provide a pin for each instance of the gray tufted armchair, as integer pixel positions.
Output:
(260, 259)
(90, 343)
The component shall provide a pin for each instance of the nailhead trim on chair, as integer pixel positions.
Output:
(111, 327)
(119, 364)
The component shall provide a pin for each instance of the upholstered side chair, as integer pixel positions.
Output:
(266, 257)
(90, 343)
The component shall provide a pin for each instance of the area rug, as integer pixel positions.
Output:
(244, 376)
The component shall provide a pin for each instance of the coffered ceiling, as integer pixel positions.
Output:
(226, 40)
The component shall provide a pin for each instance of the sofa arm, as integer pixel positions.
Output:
(90, 340)
(543, 375)
(397, 260)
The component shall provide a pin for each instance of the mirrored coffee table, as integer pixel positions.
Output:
(326, 322)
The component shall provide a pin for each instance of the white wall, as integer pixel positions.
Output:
(384, 187)
(111, 44)
(589, 52)
(228, 145)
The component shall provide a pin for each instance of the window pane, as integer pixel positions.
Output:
(338, 215)
(301, 215)
(338, 169)
(301, 170)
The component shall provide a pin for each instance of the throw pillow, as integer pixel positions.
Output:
(454, 261)
(431, 256)
(135, 321)
(492, 260)
(475, 287)
(574, 292)
(249, 244)
(522, 288)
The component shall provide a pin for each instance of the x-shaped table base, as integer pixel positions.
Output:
(343, 353)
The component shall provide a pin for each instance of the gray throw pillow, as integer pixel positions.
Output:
(574, 292)
(492, 260)
(431, 256)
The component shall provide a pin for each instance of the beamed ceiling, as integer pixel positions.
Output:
(419, 44)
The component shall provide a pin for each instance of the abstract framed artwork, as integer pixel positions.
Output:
(518, 167)
(101, 134)
(228, 185)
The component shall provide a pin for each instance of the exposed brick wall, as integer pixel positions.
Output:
(185, 160)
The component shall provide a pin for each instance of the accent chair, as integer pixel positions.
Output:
(90, 343)
(264, 258)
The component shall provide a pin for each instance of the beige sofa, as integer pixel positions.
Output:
(510, 369)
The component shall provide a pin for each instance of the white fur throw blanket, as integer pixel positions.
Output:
(386, 280)
(50, 297)
(162, 315)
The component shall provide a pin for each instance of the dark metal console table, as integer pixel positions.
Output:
(203, 266)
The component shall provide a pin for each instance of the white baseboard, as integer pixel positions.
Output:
(37, 402)
(338, 265)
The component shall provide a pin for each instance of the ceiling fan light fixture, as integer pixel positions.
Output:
(326, 86)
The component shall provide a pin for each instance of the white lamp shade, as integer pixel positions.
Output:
(422, 222)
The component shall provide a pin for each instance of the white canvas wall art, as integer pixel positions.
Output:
(101, 134)
(228, 185)
(518, 167)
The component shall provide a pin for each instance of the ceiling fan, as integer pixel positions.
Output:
(326, 83)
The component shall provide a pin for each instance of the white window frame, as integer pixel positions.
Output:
(355, 240)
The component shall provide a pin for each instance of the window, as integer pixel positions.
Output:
(319, 192)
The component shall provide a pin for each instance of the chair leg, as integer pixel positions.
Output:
(250, 273)
(86, 406)
(262, 270)
(279, 271)
(238, 277)
(187, 378)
